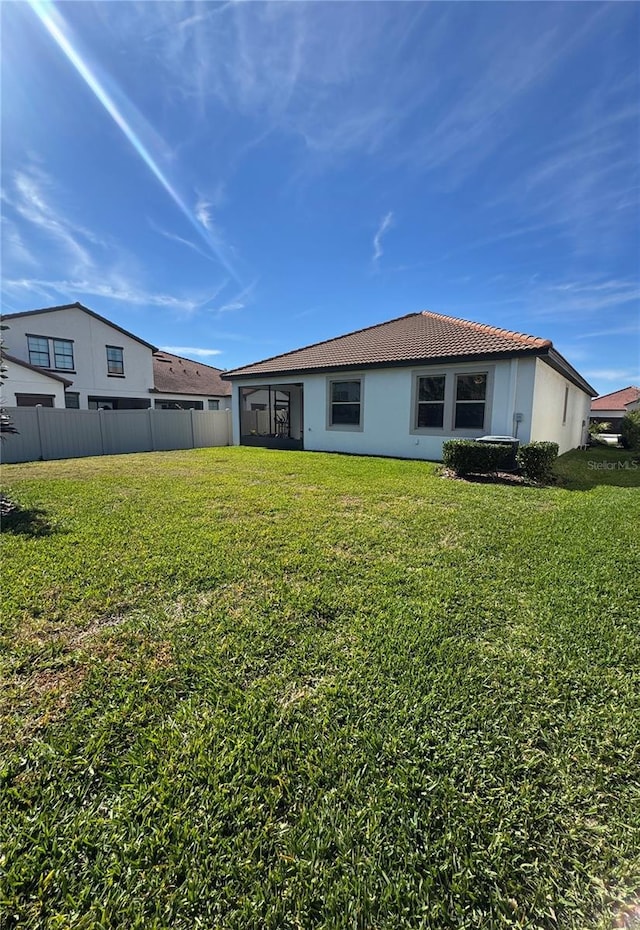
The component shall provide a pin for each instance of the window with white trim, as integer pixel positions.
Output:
(345, 402)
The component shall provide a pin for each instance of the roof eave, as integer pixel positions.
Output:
(40, 371)
(559, 363)
(78, 306)
(401, 363)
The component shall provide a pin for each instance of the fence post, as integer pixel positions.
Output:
(101, 421)
(152, 429)
(40, 442)
(193, 430)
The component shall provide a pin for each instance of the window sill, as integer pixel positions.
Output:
(344, 428)
(57, 371)
(115, 376)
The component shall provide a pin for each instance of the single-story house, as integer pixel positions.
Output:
(403, 387)
(610, 408)
(70, 356)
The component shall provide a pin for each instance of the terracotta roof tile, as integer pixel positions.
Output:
(175, 375)
(412, 338)
(617, 400)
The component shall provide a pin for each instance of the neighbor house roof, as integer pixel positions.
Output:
(616, 400)
(78, 306)
(414, 338)
(175, 375)
(40, 371)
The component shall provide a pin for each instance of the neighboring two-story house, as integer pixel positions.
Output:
(70, 356)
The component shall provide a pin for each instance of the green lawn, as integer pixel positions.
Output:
(254, 690)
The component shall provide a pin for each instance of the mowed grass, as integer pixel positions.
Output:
(248, 689)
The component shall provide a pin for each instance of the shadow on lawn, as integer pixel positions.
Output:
(23, 521)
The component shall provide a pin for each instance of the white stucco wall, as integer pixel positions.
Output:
(388, 409)
(90, 338)
(548, 409)
(21, 380)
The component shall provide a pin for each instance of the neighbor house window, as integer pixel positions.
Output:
(430, 412)
(470, 399)
(213, 404)
(38, 351)
(72, 400)
(63, 354)
(564, 409)
(43, 348)
(115, 360)
(34, 400)
(345, 403)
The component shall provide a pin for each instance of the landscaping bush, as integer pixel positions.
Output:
(536, 460)
(467, 457)
(630, 430)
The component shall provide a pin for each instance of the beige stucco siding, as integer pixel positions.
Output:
(548, 422)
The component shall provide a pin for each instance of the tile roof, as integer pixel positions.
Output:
(616, 400)
(175, 375)
(416, 337)
(40, 371)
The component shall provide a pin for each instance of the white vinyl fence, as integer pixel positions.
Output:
(48, 433)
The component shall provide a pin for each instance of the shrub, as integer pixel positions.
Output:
(630, 430)
(596, 429)
(466, 457)
(536, 460)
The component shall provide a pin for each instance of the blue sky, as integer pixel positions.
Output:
(233, 180)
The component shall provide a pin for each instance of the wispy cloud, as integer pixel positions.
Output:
(30, 195)
(238, 302)
(619, 375)
(146, 142)
(385, 224)
(629, 329)
(173, 237)
(203, 213)
(14, 249)
(192, 350)
(582, 298)
(118, 290)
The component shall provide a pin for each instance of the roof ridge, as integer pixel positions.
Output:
(493, 330)
(76, 303)
(321, 342)
(629, 387)
(79, 306)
